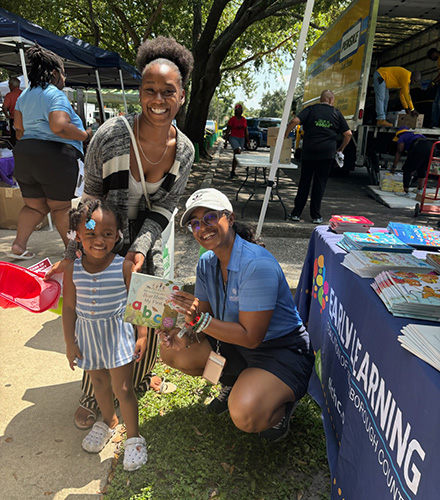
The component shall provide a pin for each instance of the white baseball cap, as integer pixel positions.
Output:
(207, 198)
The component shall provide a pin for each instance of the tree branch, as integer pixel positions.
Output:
(197, 22)
(258, 54)
(126, 24)
(96, 32)
(153, 18)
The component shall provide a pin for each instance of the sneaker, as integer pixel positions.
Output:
(318, 220)
(293, 218)
(405, 195)
(383, 123)
(220, 404)
(282, 428)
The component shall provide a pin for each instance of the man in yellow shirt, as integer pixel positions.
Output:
(434, 55)
(393, 77)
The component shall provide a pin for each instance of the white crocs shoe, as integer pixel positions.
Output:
(98, 437)
(135, 455)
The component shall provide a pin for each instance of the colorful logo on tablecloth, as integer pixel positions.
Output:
(320, 285)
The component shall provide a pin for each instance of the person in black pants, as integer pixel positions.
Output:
(418, 149)
(322, 123)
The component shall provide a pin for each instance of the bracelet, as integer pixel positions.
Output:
(204, 324)
(208, 323)
(194, 321)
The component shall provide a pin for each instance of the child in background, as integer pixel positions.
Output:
(97, 338)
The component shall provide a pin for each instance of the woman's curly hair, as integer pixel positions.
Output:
(166, 48)
(42, 62)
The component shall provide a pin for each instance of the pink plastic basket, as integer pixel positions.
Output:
(24, 288)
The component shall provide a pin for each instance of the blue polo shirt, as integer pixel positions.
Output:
(35, 105)
(256, 282)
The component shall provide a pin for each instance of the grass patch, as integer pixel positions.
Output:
(196, 456)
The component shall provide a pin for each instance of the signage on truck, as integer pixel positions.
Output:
(336, 60)
(350, 41)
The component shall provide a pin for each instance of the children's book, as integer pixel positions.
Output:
(147, 302)
(416, 236)
(434, 260)
(422, 341)
(355, 223)
(374, 241)
(369, 263)
(408, 294)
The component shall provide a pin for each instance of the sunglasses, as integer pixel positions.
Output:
(209, 219)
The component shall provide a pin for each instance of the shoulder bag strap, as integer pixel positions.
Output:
(138, 160)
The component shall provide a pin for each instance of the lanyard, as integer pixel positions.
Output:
(217, 299)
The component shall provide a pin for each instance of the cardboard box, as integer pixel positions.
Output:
(286, 151)
(410, 121)
(391, 182)
(272, 134)
(11, 203)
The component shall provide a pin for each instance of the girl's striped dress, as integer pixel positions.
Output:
(103, 337)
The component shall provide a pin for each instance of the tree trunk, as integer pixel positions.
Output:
(201, 95)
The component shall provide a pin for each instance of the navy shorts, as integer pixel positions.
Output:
(290, 358)
(46, 169)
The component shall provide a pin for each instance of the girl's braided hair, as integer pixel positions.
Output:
(166, 50)
(87, 208)
(42, 62)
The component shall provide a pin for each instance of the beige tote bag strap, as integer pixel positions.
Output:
(138, 160)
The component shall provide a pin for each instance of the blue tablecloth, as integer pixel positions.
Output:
(380, 404)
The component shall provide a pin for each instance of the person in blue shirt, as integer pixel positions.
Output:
(242, 310)
(418, 150)
(49, 152)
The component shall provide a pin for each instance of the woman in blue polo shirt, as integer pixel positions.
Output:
(48, 154)
(243, 311)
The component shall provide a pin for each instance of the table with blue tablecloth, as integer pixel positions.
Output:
(380, 404)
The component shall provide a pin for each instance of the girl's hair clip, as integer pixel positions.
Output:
(71, 235)
(90, 224)
(121, 235)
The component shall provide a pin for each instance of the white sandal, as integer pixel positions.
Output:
(135, 455)
(98, 437)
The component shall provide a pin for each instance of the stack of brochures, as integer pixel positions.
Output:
(409, 295)
(354, 223)
(369, 263)
(433, 259)
(423, 341)
(423, 237)
(373, 241)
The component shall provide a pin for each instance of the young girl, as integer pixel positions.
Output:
(97, 338)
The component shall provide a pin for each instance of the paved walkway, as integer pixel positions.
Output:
(40, 449)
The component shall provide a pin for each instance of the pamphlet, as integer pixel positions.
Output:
(147, 302)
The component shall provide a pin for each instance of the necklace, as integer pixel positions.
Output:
(142, 151)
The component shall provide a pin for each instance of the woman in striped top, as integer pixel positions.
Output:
(97, 338)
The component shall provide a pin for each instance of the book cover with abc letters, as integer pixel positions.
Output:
(146, 302)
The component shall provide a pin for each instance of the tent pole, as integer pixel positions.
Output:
(287, 106)
(23, 66)
(123, 90)
(100, 101)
